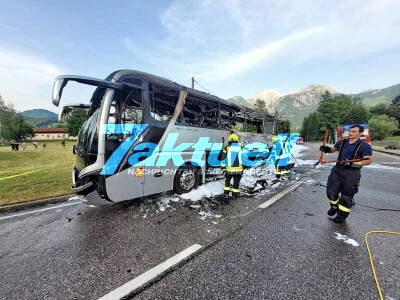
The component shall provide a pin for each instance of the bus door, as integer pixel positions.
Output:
(126, 182)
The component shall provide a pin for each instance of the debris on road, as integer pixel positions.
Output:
(346, 239)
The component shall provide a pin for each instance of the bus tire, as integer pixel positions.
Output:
(186, 179)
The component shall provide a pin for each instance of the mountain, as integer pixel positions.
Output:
(376, 96)
(39, 117)
(240, 101)
(271, 98)
(38, 113)
(296, 105)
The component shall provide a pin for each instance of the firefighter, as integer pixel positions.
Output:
(279, 170)
(344, 178)
(233, 167)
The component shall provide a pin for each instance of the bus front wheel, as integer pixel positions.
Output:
(186, 179)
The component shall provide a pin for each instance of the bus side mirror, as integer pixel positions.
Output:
(58, 87)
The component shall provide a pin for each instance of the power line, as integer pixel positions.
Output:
(198, 83)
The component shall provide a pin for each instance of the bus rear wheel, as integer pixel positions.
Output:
(186, 179)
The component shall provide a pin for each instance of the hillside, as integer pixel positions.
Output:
(38, 113)
(39, 117)
(376, 96)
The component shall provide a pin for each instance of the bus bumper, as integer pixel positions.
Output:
(87, 192)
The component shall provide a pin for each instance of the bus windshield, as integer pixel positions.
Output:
(87, 141)
(88, 136)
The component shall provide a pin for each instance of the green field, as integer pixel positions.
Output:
(35, 174)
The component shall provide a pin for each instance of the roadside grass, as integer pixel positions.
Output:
(40, 173)
(393, 138)
(379, 146)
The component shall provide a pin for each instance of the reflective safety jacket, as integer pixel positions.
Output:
(233, 158)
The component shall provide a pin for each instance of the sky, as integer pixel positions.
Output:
(231, 47)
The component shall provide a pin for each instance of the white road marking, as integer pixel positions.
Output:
(278, 196)
(396, 157)
(149, 275)
(38, 210)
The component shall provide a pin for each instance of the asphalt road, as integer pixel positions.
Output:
(288, 250)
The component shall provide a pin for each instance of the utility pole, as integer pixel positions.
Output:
(192, 82)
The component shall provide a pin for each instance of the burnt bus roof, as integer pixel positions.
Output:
(191, 92)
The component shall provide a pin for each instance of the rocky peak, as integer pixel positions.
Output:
(271, 98)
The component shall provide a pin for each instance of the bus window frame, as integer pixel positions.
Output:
(183, 118)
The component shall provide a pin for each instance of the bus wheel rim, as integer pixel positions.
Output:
(187, 179)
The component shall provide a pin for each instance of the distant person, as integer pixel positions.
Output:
(345, 177)
(23, 146)
(14, 147)
(63, 144)
(35, 144)
(44, 146)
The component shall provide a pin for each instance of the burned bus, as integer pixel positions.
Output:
(132, 99)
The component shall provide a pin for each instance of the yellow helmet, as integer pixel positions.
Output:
(233, 138)
(274, 138)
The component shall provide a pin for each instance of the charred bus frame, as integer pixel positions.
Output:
(133, 97)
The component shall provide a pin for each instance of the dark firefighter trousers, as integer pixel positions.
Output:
(236, 180)
(343, 181)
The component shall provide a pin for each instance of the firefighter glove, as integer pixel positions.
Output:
(344, 163)
(325, 149)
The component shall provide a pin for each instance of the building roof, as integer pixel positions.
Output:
(49, 130)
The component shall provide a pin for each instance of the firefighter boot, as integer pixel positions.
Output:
(341, 216)
(227, 199)
(332, 211)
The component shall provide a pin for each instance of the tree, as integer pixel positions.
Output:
(14, 128)
(75, 121)
(357, 114)
(6, 107)
(394, 109)
(382, 126)
(12, 125)
(260, 106)
(380, 109)
(312, 127)
(333, 111)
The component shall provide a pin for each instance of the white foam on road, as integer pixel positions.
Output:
(206, 190)
(252, 175)
(346, 239)
(206, 215)
(163, 202)
(151, 274)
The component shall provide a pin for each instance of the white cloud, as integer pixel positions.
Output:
(26, 80)
(246, 60)
(217, 40)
